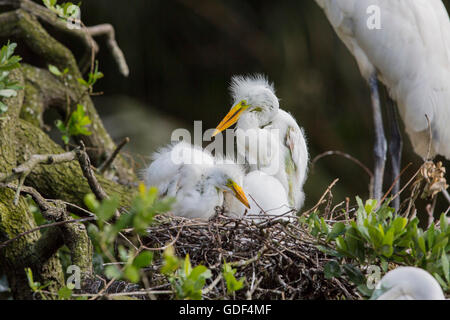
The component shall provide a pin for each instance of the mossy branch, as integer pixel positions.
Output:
(99, 144)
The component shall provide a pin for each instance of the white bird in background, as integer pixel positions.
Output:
(267, 196)
(410, 54)
(280, 144)
(195, 179)
(408, 283)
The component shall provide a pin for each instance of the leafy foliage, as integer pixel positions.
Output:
(54, 70)
(187, 282)
(93, 77)
(65, 11)
(233, 284)
(144, 207)
(76, 125)
(378, 236)
(8, 62)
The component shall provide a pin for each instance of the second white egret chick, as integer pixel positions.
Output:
(191, 176)
(267, 197)
(259, 118)
(408, 283)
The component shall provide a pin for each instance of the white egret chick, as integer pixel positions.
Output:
(191, 176)
(405, 44)
(408, 283)
(268, 137)
(266, 195)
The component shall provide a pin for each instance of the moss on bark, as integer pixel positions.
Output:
(21, 138)
(59, 181)
(15, 220)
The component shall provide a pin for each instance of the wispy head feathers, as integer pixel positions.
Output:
(241, 86)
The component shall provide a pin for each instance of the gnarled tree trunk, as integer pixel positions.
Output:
(22, 135)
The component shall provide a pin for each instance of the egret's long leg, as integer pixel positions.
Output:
(395, 148)
(380, 147)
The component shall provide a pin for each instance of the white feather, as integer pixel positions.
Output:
(408, 283)
(267, 197)
(192, 177)
(275, 132)
(411, 54)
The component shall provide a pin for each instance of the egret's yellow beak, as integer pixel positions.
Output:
(239, 193)
(232, 117)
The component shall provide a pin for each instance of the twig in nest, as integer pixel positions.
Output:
(321, 198)
(258, 253)
(105, 165)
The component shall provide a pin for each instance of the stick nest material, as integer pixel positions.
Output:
(278, 258)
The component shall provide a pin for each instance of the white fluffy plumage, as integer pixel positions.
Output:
(193, 177)
(267, 196)
(411, 55)
(408, 283)
(282, 150)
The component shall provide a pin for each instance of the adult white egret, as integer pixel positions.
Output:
(271, 141)
(195, 179)
(408, 283)
(267, 196)
(409, 52)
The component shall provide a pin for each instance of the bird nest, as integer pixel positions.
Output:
(278, 259)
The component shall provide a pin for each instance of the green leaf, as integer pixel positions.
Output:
(53, 69)
(445, 266)
(187, 268)
(341, 245)
(376, 236)
(328, 251)
(64, 293)
(200, 272)
(354, 274)
(131, 273)
(83, 82)
(354, 244)
(332, 269)
(389, 238)
(3, 108)
(112, 272)
(399, 224)
(430, 236)
(370, 205)
(387, 250)
(233, 284)
(107, 208)
(337, 230)
(421, 243)
(144, 259)
(171, 262)
(365, 290)
(91, 202)
(440, 280)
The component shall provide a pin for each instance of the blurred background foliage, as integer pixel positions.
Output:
(183, 53)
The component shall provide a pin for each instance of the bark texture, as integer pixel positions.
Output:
(22, 135)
